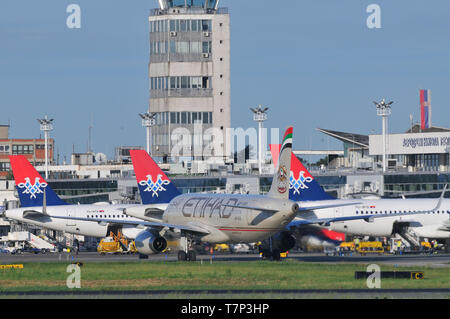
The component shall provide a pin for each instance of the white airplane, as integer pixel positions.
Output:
(215, 218)
(41, 206)
(423, 217)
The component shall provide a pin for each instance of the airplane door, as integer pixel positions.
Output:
(71, 213)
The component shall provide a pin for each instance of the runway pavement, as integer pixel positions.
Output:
(435, 260)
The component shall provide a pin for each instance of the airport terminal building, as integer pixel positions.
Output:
(413, 151)
(417, 151)
(417, 162)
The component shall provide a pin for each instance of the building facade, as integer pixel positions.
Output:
(189, 74)
(32, 149)
(417, 151)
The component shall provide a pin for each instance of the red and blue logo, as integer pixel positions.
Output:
(32, 189)
(300, 183)
(154, 186)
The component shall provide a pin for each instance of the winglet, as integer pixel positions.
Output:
(30, 185)
(154, 186)
(441, 198)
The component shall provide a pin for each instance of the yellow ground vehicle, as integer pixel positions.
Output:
(116, 244)
(346, 247)
(109, 245)
(370, 247)
(222, 247)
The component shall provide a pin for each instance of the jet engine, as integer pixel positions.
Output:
(150, 242)
(277, 244)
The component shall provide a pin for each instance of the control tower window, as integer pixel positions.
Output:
(208, 4)
(176, 3)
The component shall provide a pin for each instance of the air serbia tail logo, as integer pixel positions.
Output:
(153, 190)
(32, 189)
(30, 185)
(300, 182)
(302, 186)
(154, 187)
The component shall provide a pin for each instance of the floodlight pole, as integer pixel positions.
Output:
(384, 110)
(259, 115)
(46, 126)
(148, 120)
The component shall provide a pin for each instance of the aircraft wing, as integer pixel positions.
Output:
(328, 204)
(272, 211)
(327, 221)
(139, 224)
(445, 226)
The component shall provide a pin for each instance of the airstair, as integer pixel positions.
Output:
(409, 239)
(33, 240)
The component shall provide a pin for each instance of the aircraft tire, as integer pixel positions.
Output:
(182, 256)
(276, 255)
(192, 256)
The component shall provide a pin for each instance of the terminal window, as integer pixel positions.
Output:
(5, 167)
(4, 148)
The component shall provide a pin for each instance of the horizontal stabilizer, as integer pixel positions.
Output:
(33, 214)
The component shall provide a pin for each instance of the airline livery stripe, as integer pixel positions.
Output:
(288, 132)
(287, 139)
(289, 135)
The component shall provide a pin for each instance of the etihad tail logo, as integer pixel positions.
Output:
(300, 182)
(32, 189)
(154, 187)
(282, 180)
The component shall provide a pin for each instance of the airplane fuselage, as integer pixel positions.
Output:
(432, 224)
(225, 219)
(85, 228)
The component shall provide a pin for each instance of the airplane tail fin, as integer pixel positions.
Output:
(303, 186)
(33, 190)
(154, 186)
(280, 182)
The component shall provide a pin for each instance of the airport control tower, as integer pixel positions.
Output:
(189, 74)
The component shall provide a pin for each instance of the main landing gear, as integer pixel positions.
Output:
(187, 253)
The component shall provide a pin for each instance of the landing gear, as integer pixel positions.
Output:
(191, 255)
(187, 254)
(182, 256)
(270, 252)
(271, 255)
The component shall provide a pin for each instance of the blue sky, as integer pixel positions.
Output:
(313, 63)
